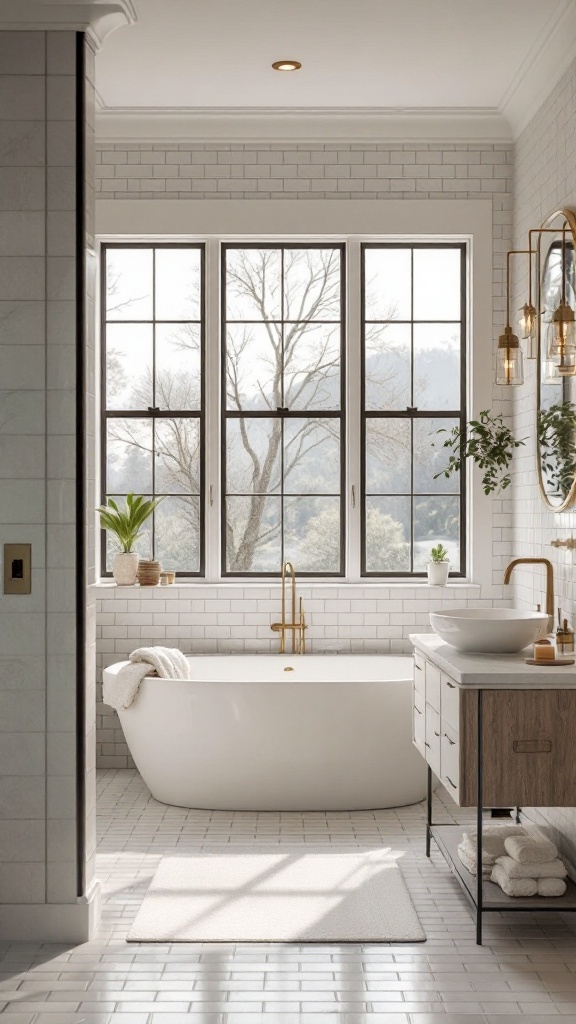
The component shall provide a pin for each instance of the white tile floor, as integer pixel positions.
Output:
(525, 971)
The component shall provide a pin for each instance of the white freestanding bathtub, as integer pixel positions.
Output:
(273, 732)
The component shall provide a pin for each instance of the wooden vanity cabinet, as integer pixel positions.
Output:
(528, 748)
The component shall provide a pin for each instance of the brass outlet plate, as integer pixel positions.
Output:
(17, 568)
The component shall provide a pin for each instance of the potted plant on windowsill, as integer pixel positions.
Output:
(439, 567)
(126, 525)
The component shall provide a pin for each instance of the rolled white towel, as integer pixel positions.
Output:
(514, 886)
(169, 663)
(550, 869)
(551, 886)
(469, 862)
(493, 837)
(530, 849)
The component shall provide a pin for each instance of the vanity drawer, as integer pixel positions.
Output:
(433, 739)
(433, 686)
(419, 674)
(450, 702)
(419, 724)
(450, 761)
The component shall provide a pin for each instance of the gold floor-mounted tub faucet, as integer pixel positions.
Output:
(297, 628)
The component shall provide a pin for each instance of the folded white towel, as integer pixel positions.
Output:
(166, 662)
(469, 862)
(514, 886)
(550, 869)
(493, 837)
(551, 887)
(530, 849)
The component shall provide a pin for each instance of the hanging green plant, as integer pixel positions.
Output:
(556, 437)
(489, 443)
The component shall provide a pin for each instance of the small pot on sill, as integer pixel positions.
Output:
(125, 568)
(438, 573)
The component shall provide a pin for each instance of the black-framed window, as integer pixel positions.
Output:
(153, 394)
(283, 417)
(413, 384)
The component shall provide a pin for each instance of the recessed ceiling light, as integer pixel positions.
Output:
(286, 65)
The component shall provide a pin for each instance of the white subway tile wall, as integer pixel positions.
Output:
(38, 308)
(545, 180)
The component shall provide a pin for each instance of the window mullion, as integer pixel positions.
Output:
(213, 398)
(353, 506)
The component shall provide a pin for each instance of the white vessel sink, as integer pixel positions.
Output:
(489, 630)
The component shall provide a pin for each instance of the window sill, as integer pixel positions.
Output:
(301, 582)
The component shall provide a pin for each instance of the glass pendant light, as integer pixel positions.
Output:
(527, 326)
(562, 328)
(509, 360)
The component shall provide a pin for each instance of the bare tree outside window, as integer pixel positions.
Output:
(283, 416)
(283, 383)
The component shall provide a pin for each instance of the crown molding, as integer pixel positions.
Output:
(97, 18)
(294, 124)
(543, 67)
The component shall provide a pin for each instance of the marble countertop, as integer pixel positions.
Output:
(493, 671)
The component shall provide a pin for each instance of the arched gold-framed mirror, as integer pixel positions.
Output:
(556, 364)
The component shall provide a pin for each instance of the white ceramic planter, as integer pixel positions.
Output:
(438, 573)
(125, 567)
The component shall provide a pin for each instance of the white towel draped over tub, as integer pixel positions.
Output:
(166, 662)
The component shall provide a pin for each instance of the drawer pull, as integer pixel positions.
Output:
(451, 783)
(451, 742)
(417, 667)
(451, 685)
(426, 744)
(532, 746)
(436, 733)
(417, 710)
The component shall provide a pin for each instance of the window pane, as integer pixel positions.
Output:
(129, 284)
(253, 455)
(430, 457)
(312, 366)
(312, 284)
(178, 366)
(129, 366)
(177, 534)
(254, 367)
(311, 456)
(129, 456)
(253, 284)
(387, 366)
(253, 526)
(143, 543)
(436, 521)
(312, 534)
(387, 534)
(388, 456)
(178, 284)
(177, 455)
(437, 366)
(388, 284)
(437, 284)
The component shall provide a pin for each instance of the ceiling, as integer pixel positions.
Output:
(393, 55)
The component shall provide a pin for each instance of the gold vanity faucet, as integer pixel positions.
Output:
(297, 627)
(549, 582)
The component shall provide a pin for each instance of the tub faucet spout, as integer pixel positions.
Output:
(296, 627)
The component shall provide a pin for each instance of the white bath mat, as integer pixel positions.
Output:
(296, 895)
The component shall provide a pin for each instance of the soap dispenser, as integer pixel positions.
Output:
(564, 637)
